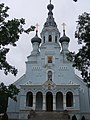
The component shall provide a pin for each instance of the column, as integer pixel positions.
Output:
(44, 102)
(34, 102)
(54, 102)
(64, 102)
(74, 101)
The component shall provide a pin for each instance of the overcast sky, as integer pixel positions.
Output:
(35, 11)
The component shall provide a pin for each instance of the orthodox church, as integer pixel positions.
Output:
(50, 83)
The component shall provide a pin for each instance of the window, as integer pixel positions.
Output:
(44, 39)
(50, 38)
(55, 39)
(50, 75)
(50, 59)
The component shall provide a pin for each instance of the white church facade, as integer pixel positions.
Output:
(49, 83)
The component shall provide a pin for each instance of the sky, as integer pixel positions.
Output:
(35, 11)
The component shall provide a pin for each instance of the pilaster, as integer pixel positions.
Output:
(54, 102)
(64, 102)
(34, 102)
(44, 102)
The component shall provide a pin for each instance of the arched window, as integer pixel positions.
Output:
(69, 99)
(50, 38)
(43, 39)
(29, 99)
(50, 75)
(55, 39)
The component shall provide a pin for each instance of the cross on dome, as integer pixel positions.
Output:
(63, 26)
(37, 25)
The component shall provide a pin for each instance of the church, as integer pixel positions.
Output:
(50, 83)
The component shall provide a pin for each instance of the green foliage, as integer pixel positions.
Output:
(5, 117)
(81, 60)
(6, 92)
(10, 31)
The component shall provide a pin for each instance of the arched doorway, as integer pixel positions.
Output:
(49, 101)
(39, 101)
(59, 101)
(29, 99)
(69, 99)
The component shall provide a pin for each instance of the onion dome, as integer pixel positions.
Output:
(50, 20)
(36, 38)
(50, 7)
(64, 38)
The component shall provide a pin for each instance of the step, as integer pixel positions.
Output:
(49, 116)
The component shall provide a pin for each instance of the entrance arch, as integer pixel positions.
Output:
(49, 101)
(29, 99)
(69, 99)
(39, 100)
(59, 101)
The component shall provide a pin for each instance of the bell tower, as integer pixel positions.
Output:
(50, 32)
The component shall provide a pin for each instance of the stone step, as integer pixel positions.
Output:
(49, 116)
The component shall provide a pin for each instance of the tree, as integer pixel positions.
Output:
(81, 60)
(10, 31)
(6, 92)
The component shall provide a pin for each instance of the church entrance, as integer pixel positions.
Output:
(49, 101)
(59, 101)
(39, 100)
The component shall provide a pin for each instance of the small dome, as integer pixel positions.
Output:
(64, 38)
(50, 7)
(36, 39)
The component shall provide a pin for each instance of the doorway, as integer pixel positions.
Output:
(59, 101)
(49, 101)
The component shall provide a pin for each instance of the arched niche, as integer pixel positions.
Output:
(69, 99)
(29, 99)
(59, 101)
(39, 101)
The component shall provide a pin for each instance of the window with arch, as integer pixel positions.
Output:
(55, 39)
(29, 99)
(69, 99)
(50, 75)
(50, 38)
(43, 39)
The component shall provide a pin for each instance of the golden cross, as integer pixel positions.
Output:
(63, 26)
(37, 25)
